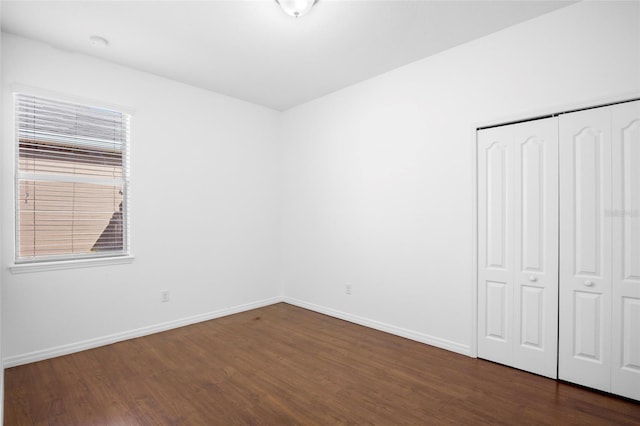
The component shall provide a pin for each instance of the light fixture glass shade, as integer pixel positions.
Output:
(296, 8)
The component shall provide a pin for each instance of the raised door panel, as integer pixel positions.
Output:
(496, 205)
(496, 313)
(495, 243)
(625, 214)
(584, 354)
(630, 347)
(532, 322)
(536, 246)
(589, 330)
(532, 202)
(588, 155)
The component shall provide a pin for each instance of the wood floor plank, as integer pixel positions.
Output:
(282, 365)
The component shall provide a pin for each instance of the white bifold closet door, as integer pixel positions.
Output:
(599, 339)
(518, 247)
(585, 248)
(625, 374)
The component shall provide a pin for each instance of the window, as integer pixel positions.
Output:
(71, 181)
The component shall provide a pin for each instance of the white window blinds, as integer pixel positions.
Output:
(72, 173)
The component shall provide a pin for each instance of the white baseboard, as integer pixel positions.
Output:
(398, 331)
(40, 355)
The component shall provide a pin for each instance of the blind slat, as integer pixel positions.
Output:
(66, 120)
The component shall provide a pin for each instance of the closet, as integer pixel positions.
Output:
(559, 246)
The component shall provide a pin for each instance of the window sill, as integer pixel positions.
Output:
(20, 268)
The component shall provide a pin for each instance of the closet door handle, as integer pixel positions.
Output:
(589, 283)
(533, 278)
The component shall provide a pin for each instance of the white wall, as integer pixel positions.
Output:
(378, 177)
(1, 233)
(371, 185)
(204, 211)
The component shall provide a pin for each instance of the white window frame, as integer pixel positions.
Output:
(46, 263)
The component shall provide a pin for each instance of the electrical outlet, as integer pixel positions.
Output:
(164, 296)
(347, 289)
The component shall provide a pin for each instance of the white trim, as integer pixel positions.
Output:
(40, 355)
(387, 328)
(20, 268)
(473, 351)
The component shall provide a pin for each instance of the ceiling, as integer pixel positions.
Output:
(252, 51)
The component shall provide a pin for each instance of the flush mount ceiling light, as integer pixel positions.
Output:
(97, 41)
(296, 8)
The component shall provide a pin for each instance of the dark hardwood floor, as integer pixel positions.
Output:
(283, 365)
